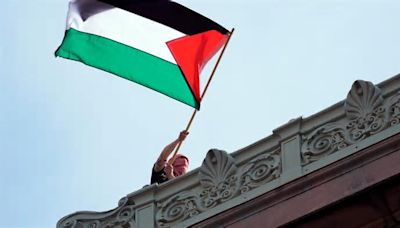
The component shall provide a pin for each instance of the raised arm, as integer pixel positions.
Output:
(162, 159)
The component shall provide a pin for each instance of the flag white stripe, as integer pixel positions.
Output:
(103, 20)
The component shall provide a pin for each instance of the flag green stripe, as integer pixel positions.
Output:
(127, 62)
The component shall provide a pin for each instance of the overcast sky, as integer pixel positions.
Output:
(75, 138)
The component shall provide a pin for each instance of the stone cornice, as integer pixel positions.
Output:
(361, 167)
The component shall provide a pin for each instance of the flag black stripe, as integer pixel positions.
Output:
(170, 14)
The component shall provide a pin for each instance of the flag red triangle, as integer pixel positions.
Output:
(193, 52)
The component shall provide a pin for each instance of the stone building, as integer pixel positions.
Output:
(337, 168)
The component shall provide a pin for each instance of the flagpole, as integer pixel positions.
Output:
(205, 90)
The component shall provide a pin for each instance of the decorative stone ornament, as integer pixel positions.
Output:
(218, 177)
(220, 180)
(367, 113)
(121, 217)
(260, 171)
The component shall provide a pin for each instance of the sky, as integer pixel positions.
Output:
(75, 138)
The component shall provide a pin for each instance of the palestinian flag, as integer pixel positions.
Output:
(159, 44)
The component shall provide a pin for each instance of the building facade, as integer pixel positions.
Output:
(337, 168)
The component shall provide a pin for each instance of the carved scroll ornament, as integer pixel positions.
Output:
(260, 171)
(367, 113)
(121, 217)
(220, 180)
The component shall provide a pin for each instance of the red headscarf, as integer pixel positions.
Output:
(181, 165)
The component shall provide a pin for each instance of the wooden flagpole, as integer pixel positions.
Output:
(205, 90)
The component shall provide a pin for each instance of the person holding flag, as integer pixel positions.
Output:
(162, 170)
(160, 44)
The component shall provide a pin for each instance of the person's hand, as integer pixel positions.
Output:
(182, 135)
(169, 171)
